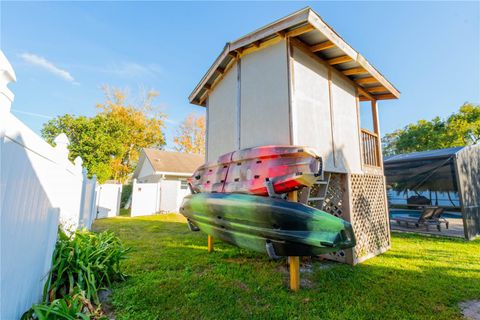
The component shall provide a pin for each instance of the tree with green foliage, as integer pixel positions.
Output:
(191, 135)
(109, 143)
(460, 129)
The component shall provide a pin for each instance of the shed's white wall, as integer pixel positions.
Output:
(314, 124)
(346, 133)
(323, 115)
(222, 117)
(264, 107)
(311, 106)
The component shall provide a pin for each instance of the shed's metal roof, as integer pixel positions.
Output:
(307, 28)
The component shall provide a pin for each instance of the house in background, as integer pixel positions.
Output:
(160, 180)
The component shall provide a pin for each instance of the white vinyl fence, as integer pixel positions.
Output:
(39, 187)
(163, 196)
(145, 198)
(108, 200)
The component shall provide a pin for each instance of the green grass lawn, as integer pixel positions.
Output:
(173, 277)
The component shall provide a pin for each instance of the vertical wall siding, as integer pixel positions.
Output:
(345, 126)
(332, 132)
(222, 117)
(311, 106)
(264, 110)
(39, 189)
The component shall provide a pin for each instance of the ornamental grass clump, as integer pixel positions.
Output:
(87, 261)
(69, 307)
(83, 264)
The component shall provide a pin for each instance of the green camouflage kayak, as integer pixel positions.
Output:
(268, 225)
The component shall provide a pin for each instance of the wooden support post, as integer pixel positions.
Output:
(210, 244)
(376, 129)
(294, 262)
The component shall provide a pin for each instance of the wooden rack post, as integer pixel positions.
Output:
(210, 244)
(294, 262)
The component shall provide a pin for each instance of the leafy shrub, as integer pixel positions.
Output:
(87, 261)
(83, 263)
(70, 307)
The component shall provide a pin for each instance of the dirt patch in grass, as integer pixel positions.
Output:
(471, 309)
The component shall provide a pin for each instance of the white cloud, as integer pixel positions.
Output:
(167, 120)
(133, 70)
(40, 115)
(47, 65)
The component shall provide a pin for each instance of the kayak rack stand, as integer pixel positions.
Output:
(294, 261)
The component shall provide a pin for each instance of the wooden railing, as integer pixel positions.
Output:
(370, 148)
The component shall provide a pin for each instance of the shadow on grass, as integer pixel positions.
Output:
(173, 276)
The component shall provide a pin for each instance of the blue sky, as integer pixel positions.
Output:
(63, 52)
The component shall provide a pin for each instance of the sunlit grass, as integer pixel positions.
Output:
(173, 277)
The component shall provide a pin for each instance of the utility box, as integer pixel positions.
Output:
(297, 82)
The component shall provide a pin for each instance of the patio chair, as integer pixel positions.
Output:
(429, 216)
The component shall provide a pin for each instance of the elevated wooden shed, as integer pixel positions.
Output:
(297, 82)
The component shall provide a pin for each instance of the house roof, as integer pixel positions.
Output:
(172, 162)
(307, 29)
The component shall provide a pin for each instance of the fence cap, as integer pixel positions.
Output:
(62, 140)
(7, 75)
(6, 68)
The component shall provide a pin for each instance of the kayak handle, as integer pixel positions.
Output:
(271, 250)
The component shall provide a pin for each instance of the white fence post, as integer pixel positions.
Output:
(93, 200)
(61, 145)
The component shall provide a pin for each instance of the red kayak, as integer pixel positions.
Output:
(256, 170)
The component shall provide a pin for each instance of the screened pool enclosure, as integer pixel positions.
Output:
(448, 178)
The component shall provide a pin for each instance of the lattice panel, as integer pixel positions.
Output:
(369, 215)
(333, 202)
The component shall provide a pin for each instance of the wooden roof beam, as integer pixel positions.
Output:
(281, 34)
(377, 89)
(305, 48)
(385, 96)
(365, 94)
(301, 30)
(338, 60)
(354, 71)
(233, 54)
(366, 80)
(322, 46)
